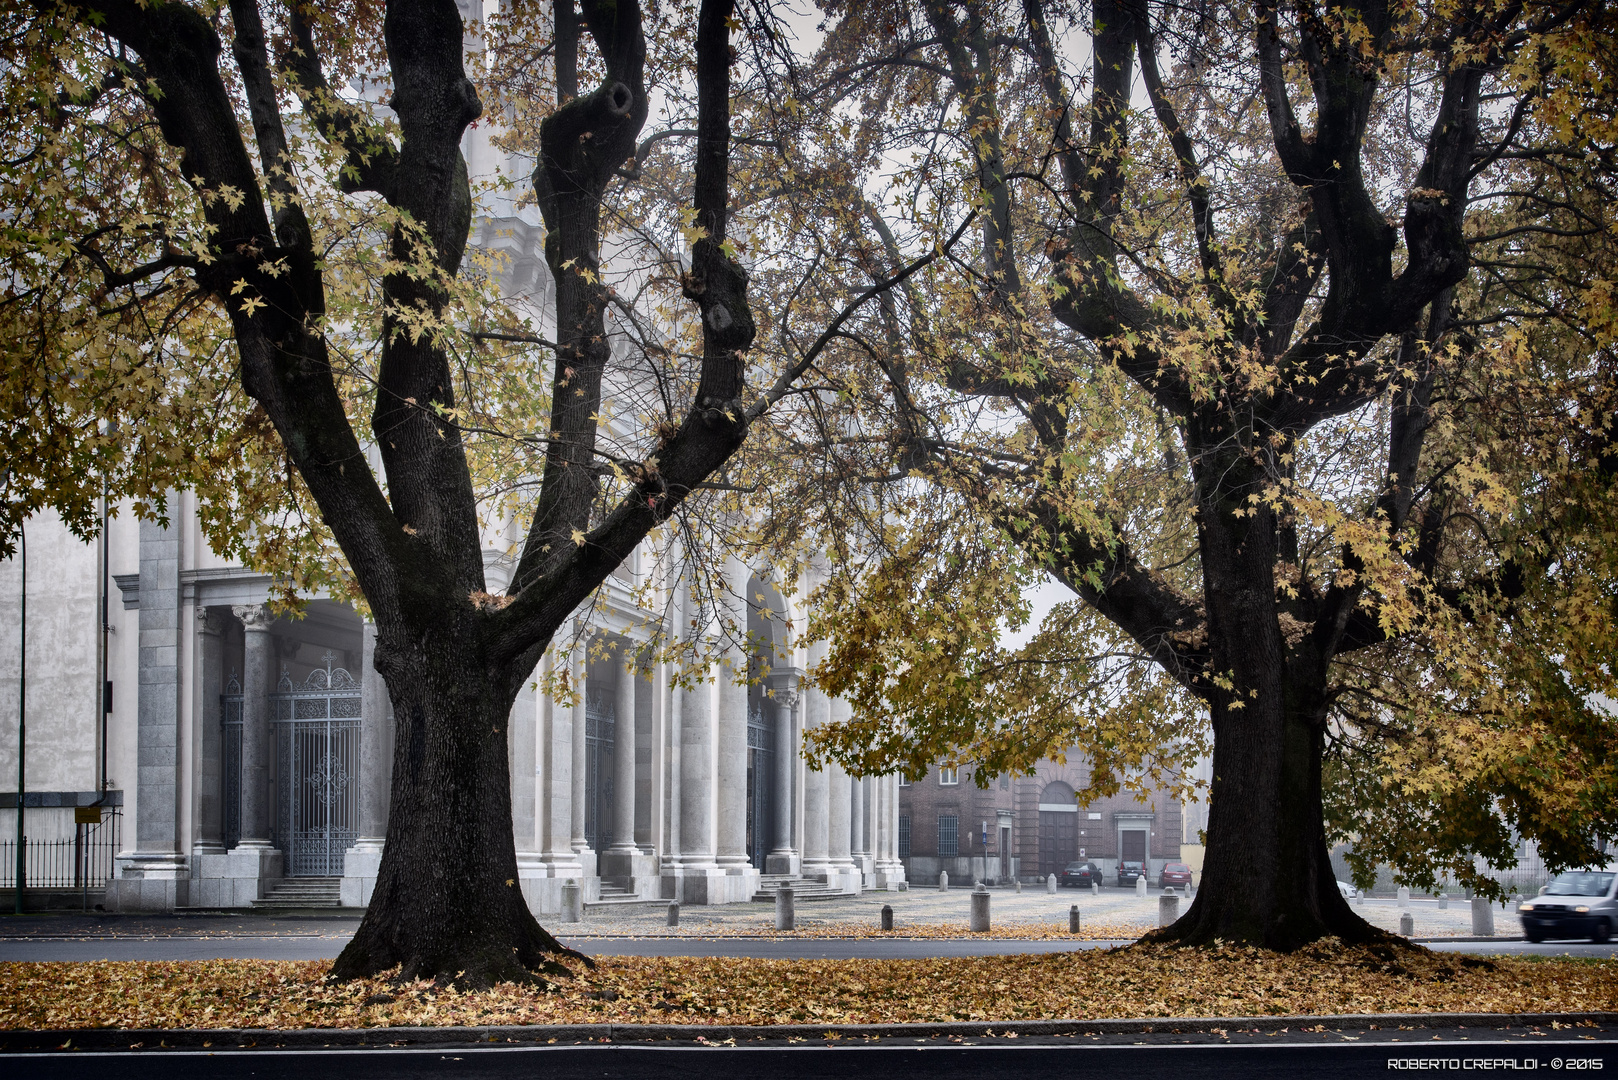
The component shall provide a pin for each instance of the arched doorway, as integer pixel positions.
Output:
(1058, 828)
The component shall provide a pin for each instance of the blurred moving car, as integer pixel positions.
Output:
(1346, 889)
(1579, 903)
(1130, 870)
(1176, 875)
(1080, 874)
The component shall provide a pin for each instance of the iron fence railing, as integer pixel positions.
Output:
(80, 861)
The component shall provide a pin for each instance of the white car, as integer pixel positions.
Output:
(1579, 903)
(1346, 889)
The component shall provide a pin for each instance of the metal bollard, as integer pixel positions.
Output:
(1168, 908)
(1482, 917)
(980, 911)
(1407, 925)
(674, 913)
(1050, 884)
(1073, 919)
(786, 915)
(887, 917)
(572, 905)
(943, 880)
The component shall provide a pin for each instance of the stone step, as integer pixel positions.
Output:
(321, 892)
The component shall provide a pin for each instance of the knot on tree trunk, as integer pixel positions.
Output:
(719, 287)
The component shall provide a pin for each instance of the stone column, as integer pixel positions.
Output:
(783, 857)
(856, 825)
(839, 816)
(210, 736)
(154, 876)
(732, 735)
(578, 674)
(254, 861)
(816, 711)
(696, 775)
(890, 873)
(623, 761)
(361, 862)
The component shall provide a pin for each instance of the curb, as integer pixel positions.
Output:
(338, 1038)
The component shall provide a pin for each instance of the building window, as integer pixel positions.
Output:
(904, 836)
(949, 836)
(1005, 783)
(949, 777)
(904, 781)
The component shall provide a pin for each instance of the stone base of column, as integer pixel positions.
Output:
(360, 864)
(238, 877)
(149, 881)
(783, 862)
(632, 870)
(541, 878)
(865, 864)
(708, 885)
(889, 876)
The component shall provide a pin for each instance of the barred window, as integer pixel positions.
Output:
(949, 836)
(904, 836)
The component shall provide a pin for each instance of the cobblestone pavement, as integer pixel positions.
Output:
(1111, 913)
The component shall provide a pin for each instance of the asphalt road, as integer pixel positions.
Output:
(327, 945)
(1313, 1055)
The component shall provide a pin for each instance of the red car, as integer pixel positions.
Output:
(1176, 874)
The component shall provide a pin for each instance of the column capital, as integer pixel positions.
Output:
(254, 616)
(209, 622)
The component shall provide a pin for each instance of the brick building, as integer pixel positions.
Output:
(1029, 826)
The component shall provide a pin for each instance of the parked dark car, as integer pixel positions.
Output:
(1080, 874)
(1578, 904)
(1176, 875)
(1130, 870)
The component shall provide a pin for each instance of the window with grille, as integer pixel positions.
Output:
(904, 836)
(949, 777)
(949, 836)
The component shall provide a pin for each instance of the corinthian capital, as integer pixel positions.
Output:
(254, 616)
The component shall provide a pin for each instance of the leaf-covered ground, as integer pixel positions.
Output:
(1139, 981)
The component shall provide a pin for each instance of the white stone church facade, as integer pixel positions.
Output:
(245, 755)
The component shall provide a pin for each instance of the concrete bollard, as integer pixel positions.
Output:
(1359, 897)
(1482, 917)
(572, 905)
(943, 880)
(1073, 919)
(1404, 898)
(980, 911)
(786, 914)
(674, 913)
(1168, 908)
(1095, 888)
(1140, 885)
(1050, 884)
(1019, 885)
(1443, 901)
(1407, 924)
(887, 917)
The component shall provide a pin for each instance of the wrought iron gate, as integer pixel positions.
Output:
(760, 784)
(600, 739)
(317, 741)
(230, 752)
